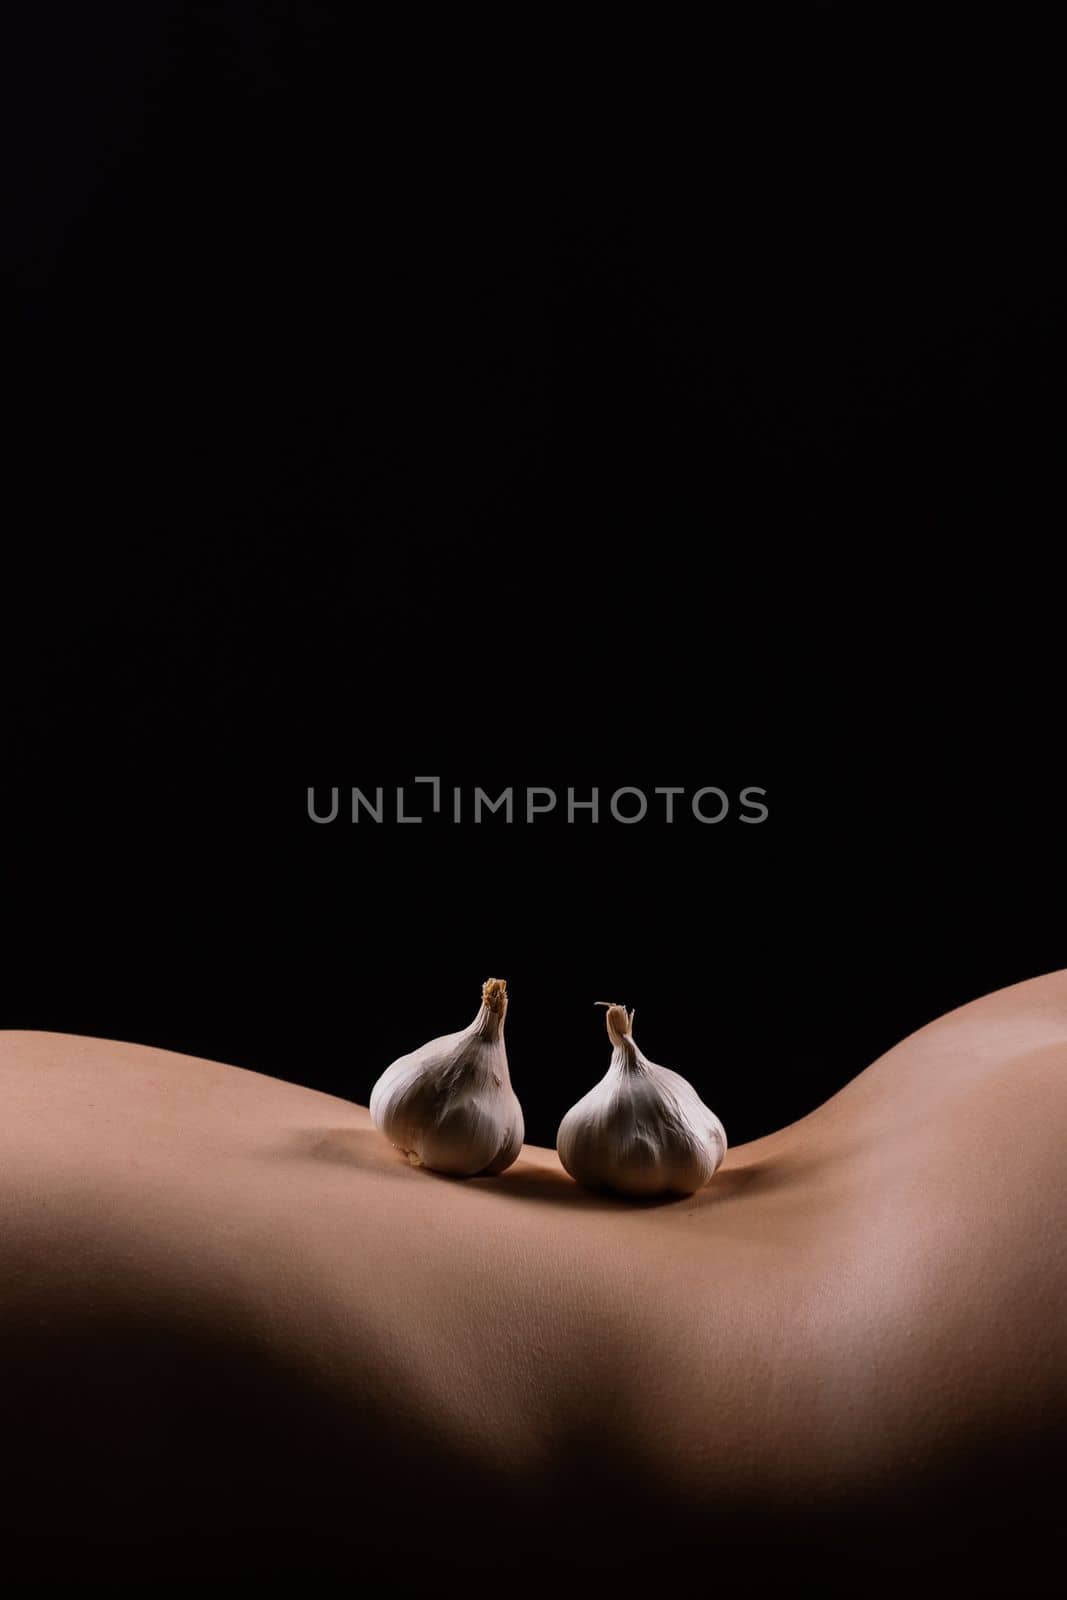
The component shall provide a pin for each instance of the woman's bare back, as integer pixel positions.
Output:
(241, 1335)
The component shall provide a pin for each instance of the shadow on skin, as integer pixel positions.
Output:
(367, 1150)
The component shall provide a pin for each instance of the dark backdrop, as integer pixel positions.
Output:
(530, 408)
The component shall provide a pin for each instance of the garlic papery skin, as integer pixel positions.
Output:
(643, 1130)
(450, 1105)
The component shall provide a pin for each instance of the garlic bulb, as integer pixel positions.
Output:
(450, 1105)
(643, 1130)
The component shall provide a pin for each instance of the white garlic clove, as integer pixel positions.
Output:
(450, 1105)
(643, 1130)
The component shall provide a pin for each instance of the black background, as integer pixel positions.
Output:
(526, 407)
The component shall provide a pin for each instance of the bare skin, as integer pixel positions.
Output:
(239, 1335)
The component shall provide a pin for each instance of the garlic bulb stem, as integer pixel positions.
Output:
(620, 1026)
(489, 1022)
